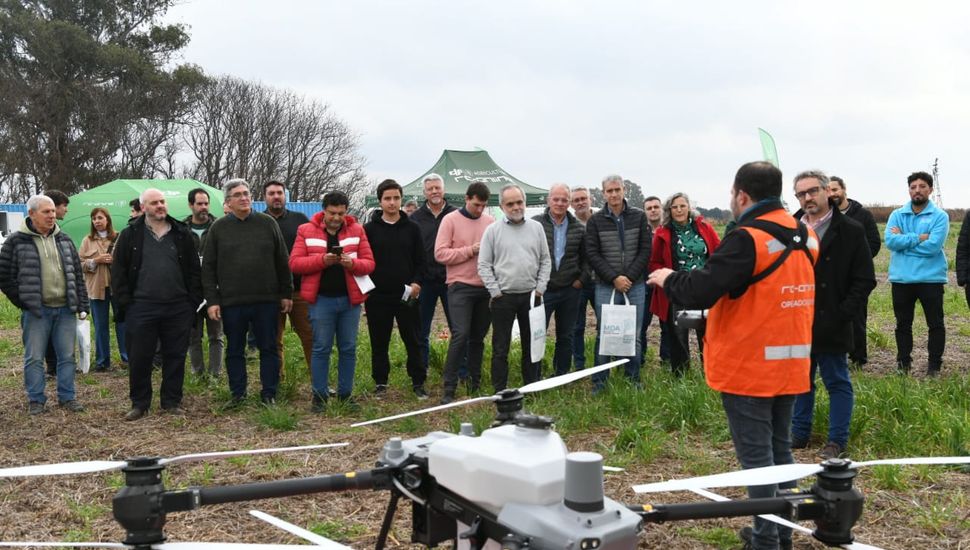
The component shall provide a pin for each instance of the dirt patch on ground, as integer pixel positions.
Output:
(79, 507)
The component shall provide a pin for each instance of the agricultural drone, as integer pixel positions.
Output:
(514, 486)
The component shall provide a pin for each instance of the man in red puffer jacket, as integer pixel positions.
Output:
(333, 257)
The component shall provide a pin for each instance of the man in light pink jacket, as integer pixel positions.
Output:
(456, 247)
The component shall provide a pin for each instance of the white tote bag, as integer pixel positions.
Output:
(84, 345)
(537, 324)
(618, 328)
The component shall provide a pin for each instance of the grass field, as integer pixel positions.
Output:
(670, 428)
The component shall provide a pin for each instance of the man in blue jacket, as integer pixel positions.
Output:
(915, 234)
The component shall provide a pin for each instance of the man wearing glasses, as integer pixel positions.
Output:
(844, 277)
(246, 279)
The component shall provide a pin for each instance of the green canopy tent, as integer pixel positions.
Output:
(115, 195)
(460, 168)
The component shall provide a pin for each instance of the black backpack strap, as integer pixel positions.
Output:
(792, 239)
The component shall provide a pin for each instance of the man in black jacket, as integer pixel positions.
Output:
(274, 193)
(963, 256)
(844, 277)
(199, 222)
(399, 258)
(156, 280)
(432, 277)
(859, 354)
(564, 237)
(618, 241)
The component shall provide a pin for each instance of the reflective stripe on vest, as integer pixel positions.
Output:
(799, 351)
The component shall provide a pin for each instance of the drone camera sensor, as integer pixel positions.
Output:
(589, 544)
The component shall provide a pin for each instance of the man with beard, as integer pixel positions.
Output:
(199, 222)
(844, 277)
(513, 263)
(274, 193)
(156, 278)
(915, 235)
(759, 286)
(859, 355)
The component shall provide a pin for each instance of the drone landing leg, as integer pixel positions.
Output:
(388, 520)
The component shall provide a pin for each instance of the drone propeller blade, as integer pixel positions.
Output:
(556, 381)
(91, 466)
(63, 468)
(914, 461)
(782, 521)
(768, 475)
(320, 541)
(228, 454)
(229, 546)
(429, 409)
(62, 545)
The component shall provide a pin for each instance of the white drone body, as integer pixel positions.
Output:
(523, 476)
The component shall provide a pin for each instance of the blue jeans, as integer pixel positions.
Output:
(760, 432)
(59, 325)
(586, 296)
(636, 296)
(564, 303)
(330, 317)
(834, 368)
(427, 302)
(102, 332)
(235, 323)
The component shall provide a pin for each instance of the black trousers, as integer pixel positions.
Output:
(150, 324)
(468, 306)
(860, 348)
(505, 310)
(380, 322)
(930, 296)
(680, 343)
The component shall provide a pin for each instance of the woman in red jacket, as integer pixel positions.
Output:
(333, 257)
(683, 242)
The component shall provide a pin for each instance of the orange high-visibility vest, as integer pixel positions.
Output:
(759, 343)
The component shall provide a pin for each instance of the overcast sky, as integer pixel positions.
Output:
(667, 94)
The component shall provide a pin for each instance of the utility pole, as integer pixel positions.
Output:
(937, 193)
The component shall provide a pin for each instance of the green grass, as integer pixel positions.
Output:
(338, 531)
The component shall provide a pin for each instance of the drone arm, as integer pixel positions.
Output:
(365, 479)
(799, 506)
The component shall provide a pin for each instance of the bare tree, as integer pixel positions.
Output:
(249, 130)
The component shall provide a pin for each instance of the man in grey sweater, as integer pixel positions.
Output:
(513, 261)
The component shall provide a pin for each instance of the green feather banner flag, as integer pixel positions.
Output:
(768, 147)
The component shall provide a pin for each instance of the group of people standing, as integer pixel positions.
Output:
(785, 295)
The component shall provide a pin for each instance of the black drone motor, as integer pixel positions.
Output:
(138, 506)
(833, 485)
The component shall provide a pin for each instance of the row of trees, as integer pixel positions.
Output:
(92, 91)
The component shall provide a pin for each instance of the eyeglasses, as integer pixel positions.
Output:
(808, 193)
(239, 195)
